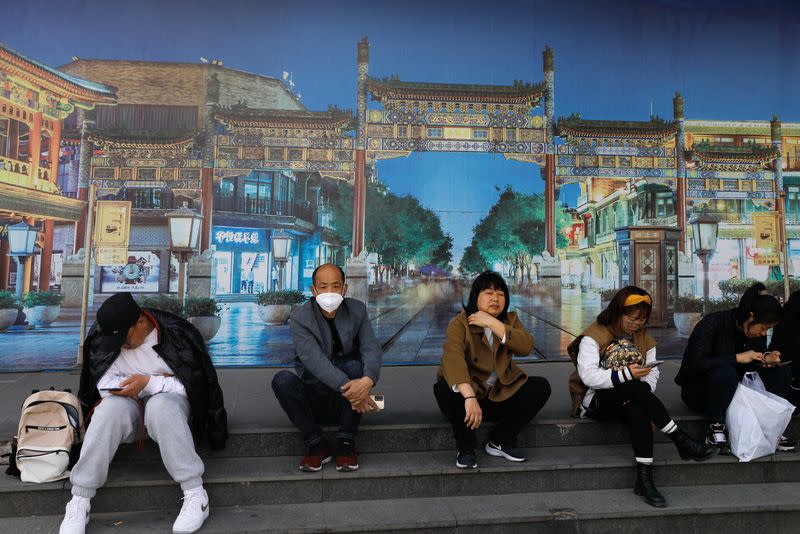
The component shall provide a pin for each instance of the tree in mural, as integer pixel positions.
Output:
(472, 262)
(512, 233)
(399, 229)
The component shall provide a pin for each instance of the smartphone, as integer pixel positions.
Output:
(377, 398)
(653, 364)
(111, 389)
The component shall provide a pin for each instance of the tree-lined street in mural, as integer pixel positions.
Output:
(462, 166)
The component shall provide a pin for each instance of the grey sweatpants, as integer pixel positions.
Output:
(119, 420)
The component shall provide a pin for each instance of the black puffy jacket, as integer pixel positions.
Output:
(715, 341)
(182, 348)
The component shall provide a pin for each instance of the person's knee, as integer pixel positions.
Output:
(352, 368)
(112, 412)
(723, 375)
(539, 387)
(284, 381)
(163, 409)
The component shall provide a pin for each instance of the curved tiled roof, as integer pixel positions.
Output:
(394, 89)
(69, 82)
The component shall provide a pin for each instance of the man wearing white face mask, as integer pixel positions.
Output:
(338, 361)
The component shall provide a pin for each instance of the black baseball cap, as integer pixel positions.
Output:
(115, 317)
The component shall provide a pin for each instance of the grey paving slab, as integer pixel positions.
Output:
(276, 480)
(411, 323)
(692, 510)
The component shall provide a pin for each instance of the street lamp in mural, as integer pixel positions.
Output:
(184, 234)
(705, 228)
(281, 244)
(21, 244)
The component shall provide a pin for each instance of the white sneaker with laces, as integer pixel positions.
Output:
(193, 514)
(76, 516)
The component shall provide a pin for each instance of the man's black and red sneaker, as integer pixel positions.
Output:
(346, 457)
(318, 455)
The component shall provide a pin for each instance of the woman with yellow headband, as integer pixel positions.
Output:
(616, 379)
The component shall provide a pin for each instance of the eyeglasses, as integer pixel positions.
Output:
(635, 321)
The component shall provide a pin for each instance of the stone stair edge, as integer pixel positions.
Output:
(439, 511)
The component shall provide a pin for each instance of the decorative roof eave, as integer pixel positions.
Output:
(333, 119)
(394, 89)
(60, 83)
(653, 130)
(761, 128)
(748, 157)
(131, 141)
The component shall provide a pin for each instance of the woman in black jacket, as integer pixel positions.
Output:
(722, 348)
(786, 340)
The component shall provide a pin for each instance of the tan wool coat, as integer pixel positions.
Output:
(467, 357)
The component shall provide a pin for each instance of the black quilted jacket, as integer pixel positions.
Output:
(182, 348)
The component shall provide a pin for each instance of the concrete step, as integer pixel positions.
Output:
(692, 510)
(247, 481)
(286, 441)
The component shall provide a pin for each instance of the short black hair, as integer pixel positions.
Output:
(314, 274)
(487, 280)
(616, 308)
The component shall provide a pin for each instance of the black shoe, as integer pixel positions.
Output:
(466, 460)
(787, 444)
(645, 487)
(509, 452)
(717, 436)
(690, 448)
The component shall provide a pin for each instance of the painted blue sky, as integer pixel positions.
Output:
(731, 59)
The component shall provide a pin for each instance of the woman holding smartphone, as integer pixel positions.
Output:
(722, 348)
(616, 378)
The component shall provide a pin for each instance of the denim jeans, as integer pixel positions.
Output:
(309, 403)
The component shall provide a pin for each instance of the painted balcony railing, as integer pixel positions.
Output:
(264, 206)
(14, 172)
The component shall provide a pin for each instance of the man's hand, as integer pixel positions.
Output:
(749, 356)
(366, 406)
(357, 390)
(132, 386)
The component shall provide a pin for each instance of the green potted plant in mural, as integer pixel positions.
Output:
(42, 307)
(204, 314)
(275, 306)
(8, 309)
(688, 311)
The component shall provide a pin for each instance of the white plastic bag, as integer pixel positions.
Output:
(756, 419)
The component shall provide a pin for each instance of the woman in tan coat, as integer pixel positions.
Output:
(477, 378)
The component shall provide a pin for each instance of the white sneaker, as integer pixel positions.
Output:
(76, 516)
(193, 514)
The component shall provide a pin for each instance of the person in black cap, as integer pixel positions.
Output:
(146, 373)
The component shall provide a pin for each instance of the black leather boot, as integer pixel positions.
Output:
(645, 487)
(690, 448)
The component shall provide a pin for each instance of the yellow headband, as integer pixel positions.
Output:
(633, 300)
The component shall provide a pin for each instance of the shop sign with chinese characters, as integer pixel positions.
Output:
(247, 238)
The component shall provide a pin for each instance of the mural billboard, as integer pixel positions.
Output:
(568, 147)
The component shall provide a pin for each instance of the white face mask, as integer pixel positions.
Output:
(329, 302)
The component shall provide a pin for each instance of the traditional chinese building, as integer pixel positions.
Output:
(34, 100)
(645, 180)
(193, 134)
